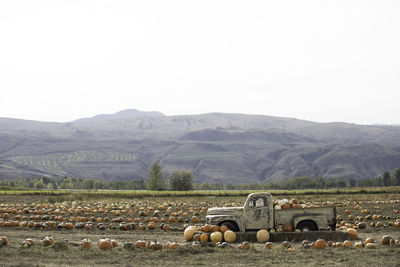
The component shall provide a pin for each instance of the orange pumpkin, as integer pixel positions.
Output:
(352, 233)
(172, 245)
(369, 240)
(204, 238)
(370, 245)
(268, 245)
(155, 245)
(347, 244)
(386, 240)
(4, 240)
(223, 228)
(288, 227)
(141, 244)
(105, 244)
(206, 228)
(215, 228)
(86, 243)
(245, 245)
(320, 244)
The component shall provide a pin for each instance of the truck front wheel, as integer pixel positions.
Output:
(306, 226)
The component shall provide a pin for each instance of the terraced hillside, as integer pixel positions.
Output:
(227, 148)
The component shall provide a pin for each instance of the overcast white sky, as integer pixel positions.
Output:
(316, 60)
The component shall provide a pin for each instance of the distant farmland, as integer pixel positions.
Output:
(101, 162)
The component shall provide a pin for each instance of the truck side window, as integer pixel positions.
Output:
(251, 203)
(258, 202)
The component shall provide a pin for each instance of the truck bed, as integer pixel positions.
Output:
(320, 215)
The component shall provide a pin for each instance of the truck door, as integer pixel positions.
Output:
(257, 213)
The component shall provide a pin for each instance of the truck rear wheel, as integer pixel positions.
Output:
(231, 226)
(306, 226)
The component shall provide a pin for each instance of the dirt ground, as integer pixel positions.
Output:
(186, 255)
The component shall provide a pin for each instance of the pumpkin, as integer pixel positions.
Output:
(47, 241)
(359, 244)
(195, 219)
(3, 240)
(288, 227)
(353, 233)
(386, 240)
(216, 237)
(369, 240)
(105, 244)
(262, 236)
(268, 245)
(24, 244)
(370, 245)
(141, 244)
(214, 228)
(155, 245)
(29, 240)
(229, 236)
(245, 245)
(204, 238)
(223, 228)
(114, 243)
(196, 237)
(286, 244)
(86, 243)
(206, 228)
(347, 244)
(330, 243)
(172, 245)
(320, 244)
(189, 233)
(151, 226)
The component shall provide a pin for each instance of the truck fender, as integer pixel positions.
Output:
(218, 220)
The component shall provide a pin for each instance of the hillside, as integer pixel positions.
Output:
(217, 147)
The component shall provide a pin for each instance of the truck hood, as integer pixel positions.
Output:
(225, 211)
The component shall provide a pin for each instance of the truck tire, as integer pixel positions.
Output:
(306, 226)
(231, 226)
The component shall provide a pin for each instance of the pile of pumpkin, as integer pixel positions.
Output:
(103, 244)
(295, 204)
(97, 215)
(368, 243)
(206, 233)
(366, 219)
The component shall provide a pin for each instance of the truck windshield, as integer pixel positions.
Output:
(258, 202)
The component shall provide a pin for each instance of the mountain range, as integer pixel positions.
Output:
(216, 147)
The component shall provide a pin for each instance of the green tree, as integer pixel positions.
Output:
(341, 183)
(396, 177)
(181, 181)
(39, 184)
(386, 179)
(49, 186)
(156, 180)
(352, 182)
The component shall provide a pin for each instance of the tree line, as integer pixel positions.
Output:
(182, 180)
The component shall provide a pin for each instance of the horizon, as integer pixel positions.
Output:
(94, 115)
(311, 60)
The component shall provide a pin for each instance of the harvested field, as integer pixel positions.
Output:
(377, 212)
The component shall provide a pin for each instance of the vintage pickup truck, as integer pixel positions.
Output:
(258, 213)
